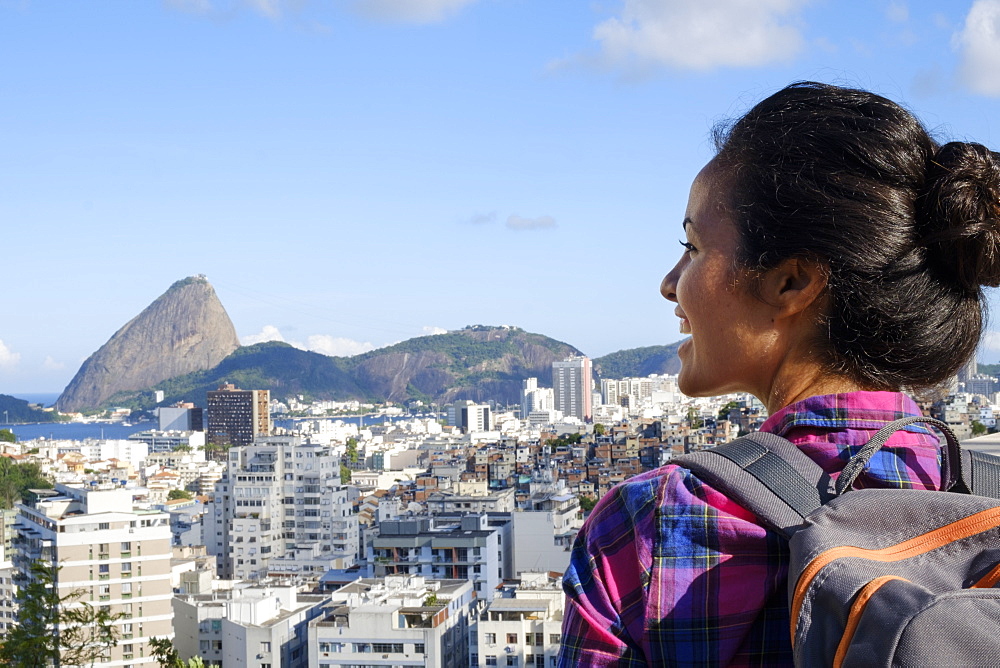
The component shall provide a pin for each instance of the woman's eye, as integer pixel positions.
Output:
(688, 246)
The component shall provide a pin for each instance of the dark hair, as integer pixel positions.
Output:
(908, 230)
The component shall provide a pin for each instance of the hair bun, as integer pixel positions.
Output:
(960, 213)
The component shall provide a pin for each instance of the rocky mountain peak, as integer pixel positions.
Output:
(186, 329)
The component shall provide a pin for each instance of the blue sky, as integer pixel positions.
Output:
(352, 173)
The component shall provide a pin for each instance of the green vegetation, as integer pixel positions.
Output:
(638, 362)
(17, 478)
(599, 429)
(166, 654)
(352, 450)
(345, 474)
(978, 428)
(175, 494)
(18, 410)
(475, 363)
(724, 411)
(568, 439)
(8, 436)
(695, 420)
(86, 634)
(587, 503)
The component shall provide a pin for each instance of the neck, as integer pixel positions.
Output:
(801, 382)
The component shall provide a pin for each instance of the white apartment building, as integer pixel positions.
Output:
(534, 398)
(399, 622)
(279, 502)
(521, 627)
(116, 554)
(464, 547)
(258, 626)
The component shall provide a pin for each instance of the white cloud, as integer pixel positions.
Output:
(335, 345)
(193, 6)
(483, 218)
(50, 364)
(8, 358)
(268, 333)
(272, 9)
(410, 11)
(516, 222)
(699, 34)
(320, 343)
(979, 45)
(431, 330)
(897, 12)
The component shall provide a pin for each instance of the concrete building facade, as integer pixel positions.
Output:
(572, 380)
(118, 556)
(237, 417)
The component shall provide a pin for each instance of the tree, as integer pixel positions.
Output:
(599, 429)
(17, 478)
(163, 651)
(724, 410)
(352, 450)
(587, 503)
(345, 474)
(978, 428)
(8, 436)
(56, 630)
(175, 494)
(183, 447)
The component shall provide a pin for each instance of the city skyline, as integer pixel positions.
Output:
(353, 174)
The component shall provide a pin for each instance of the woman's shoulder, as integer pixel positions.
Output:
(671, 489)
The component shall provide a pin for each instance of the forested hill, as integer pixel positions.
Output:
(18, 410)
(478, 363)
(638, 362)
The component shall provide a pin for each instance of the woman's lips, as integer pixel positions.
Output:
(685, 324)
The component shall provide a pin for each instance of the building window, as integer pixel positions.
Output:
(387, 648)
(419, 648)
(265, 647)
(491, 660)
(511, 660)
(491, 638)
(554, 638)
(511, 638)
(539, 639)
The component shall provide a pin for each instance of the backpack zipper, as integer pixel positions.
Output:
(969, 526)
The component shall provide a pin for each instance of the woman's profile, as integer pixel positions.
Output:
(834, 259)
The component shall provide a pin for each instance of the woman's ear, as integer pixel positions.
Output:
(794, 286)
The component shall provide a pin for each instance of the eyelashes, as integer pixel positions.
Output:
(688, 246)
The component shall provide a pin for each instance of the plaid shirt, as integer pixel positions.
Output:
(668, 571)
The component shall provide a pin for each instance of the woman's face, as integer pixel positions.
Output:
(731, 340)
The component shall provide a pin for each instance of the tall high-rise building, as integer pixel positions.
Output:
(572, 381)
(281, 508)
(114, 555)
(236, 417)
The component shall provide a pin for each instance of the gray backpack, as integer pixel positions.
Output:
(877, 577)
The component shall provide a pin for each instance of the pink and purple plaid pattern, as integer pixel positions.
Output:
(668, 571)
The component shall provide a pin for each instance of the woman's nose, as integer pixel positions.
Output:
(668, 286)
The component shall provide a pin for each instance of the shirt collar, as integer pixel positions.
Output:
(857, 410)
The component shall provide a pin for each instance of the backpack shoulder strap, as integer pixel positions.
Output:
(767, 475)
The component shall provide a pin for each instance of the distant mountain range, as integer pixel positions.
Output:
(184, 345)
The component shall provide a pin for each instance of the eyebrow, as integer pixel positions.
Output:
(687, 221)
